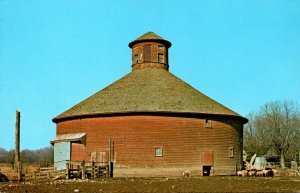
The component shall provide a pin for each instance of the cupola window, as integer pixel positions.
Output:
(147, 53)
(135, 59)
(161, 58)
(160, 47)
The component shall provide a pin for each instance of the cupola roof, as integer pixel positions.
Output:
(150, 37)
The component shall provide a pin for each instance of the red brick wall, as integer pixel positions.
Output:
(138, 50)
(184, 141)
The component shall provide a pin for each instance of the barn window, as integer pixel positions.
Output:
(230, 152)
(161, 58)
(160, 47)
(208, 123)
(147, 53)
(158, 151)
(135, 59)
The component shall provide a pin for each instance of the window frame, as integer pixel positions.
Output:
(135, 58)
(161, 48)
(147, 52)
(163, 58)
(231, 152)
(161, 151)
(208, 123)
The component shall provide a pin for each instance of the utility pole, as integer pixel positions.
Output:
(17, 145)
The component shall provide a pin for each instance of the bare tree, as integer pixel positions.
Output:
(255, 137)
(276, 126)
(43, 156)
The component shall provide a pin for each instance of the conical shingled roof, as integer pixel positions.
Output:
(152, 37)
(148, 90)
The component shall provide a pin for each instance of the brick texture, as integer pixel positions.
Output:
(139, 54)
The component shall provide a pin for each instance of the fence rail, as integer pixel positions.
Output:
(93, 169)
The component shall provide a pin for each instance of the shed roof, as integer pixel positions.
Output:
(80, 137)
(148, 90)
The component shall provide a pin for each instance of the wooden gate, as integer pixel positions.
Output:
(100, 157)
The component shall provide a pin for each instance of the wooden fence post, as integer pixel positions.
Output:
(109, 158)
(17, 164)
(93, 174)
(19, 171)
(83, 170)
(67, 170)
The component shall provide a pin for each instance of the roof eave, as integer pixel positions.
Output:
(106, 114)
(162, 41)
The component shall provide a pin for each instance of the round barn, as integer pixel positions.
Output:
(159, 125)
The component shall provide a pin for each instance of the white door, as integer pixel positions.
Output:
(62, 152)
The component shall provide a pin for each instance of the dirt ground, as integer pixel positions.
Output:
(197, 184)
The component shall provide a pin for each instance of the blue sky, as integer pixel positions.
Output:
(54, 54)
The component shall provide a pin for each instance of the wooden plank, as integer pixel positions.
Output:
(83, 170)
(74, 163)
(183, 139)
(109, 158)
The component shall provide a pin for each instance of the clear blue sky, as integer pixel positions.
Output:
(54, 54)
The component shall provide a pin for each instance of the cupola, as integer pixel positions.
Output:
(150, 51)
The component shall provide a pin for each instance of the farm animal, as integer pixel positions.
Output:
(242, 173)
(268, 173)
(259, 173)
(186, 173)
(252, 173)
(275, 172)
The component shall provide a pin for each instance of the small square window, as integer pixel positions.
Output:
(158, 152)
(230, 152)
(207, 123)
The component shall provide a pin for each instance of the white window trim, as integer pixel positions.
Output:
(161, 149)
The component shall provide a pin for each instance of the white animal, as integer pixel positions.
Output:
(242, 173)
(252, 173)
(186, 173)
(267, 173)
(275, 172)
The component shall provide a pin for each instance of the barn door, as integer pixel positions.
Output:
(207, 163)
(62, 152)
(207, 158)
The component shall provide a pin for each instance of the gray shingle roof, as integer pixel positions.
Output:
(148, 90)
